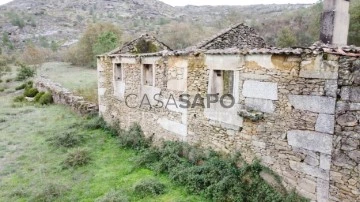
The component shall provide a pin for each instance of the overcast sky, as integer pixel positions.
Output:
(220, 2)
(233, 2)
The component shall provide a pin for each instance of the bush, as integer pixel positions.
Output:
(114, 196)
(207, 173)
(8, 80)
(134, 138)
(24, 72)
(95, 123)
(66, 139)
(19, 99)
(49, 192)
(30, 92)
(46, 99)
(22, 86)
(77, 158)
(149, 187)
(38, 96)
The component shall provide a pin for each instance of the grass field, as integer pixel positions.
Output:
(82, 81)
(32, 169)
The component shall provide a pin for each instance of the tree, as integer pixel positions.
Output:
(83, 53)
(33, 55)
(354, 32)
(286, 38)
(107, 41)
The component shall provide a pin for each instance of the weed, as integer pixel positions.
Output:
(66, 139)
(2, 89)
(149, 187)
(25, 72)
(114, 196)
(77, 158)
(46, 99)
(30, 92)
(1, 81)
(2, 120)
(8, 80)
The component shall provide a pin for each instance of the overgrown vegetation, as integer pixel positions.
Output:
(144, 46)
(67, 139)
(114, 196)
(148, 187)
(25, 72)
(98, 38)
(77, 158)
(203, 172)
(46, 99)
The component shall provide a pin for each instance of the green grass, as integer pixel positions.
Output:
(31, 168)
(69, 76)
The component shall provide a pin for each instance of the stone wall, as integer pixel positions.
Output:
(345, 168)
(301, 134)
(63, 96)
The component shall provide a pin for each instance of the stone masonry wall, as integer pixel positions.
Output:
(345, 168)
(157, 122)
(300, 135)
(63, 96)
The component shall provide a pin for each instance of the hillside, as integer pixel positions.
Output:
(63, 21)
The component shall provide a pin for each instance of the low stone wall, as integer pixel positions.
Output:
(63, 96)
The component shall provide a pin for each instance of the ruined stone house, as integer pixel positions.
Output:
(296, 109)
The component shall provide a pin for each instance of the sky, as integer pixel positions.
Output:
(233, 2)
(220, 2)
(4, 1)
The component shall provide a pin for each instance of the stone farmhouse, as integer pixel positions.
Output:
(295, 109)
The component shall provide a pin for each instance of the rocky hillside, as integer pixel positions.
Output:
(63, 21)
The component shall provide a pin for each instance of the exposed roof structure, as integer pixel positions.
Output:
(238, 36)
(144, 44)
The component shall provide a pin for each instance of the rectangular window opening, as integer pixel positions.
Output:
(148, 76)
(223, 82)
(118, 72)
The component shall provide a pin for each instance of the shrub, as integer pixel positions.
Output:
(2, 89)
(134, 138)
(30, 92)
(77, 158)
(217, 177)
(24, 72)
(95, 123)
(19, 99)
(46, 99)
(8, 80)
(22, 86)
(114, 196)
(149, 187)
(1, 80)
(66, 139)
(38, 96)
(49, 192)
